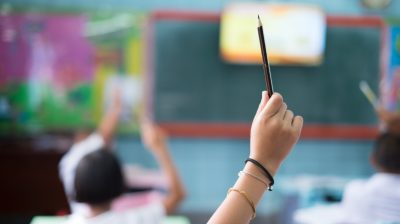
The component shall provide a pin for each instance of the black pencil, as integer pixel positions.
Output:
(267, 71)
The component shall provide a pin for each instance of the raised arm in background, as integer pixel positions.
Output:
(390, 120)
(156, 141)
(274, 132)
(109, 121)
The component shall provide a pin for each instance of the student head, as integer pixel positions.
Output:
(386, 155)
(98, 178)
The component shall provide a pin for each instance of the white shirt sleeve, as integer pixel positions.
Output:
(354, 201)
(70, 160)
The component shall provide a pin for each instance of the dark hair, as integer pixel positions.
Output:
(98, 178)
(387, 152)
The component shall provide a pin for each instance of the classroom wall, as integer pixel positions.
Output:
(209, 166)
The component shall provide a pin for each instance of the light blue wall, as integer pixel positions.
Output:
(210, 166)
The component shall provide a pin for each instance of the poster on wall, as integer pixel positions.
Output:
(56, 70)
(294, 33)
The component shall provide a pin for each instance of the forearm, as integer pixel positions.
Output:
(274, 132)
(108, 124)
(231, 210)
(176, 191)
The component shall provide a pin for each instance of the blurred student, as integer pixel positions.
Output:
(375, 200)
(274, 132)
(85, 143)
(378, 198)
(83, 162)
(99, 180)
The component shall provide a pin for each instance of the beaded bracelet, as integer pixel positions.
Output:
(267, 174)
(254, 176)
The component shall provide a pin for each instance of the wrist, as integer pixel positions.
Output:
(266, 172)
(159, 147)
(251, 168)
(160, 152)
(271, 165)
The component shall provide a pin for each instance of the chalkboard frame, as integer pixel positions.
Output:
(242, 130)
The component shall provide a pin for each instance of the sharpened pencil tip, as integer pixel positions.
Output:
(259, 21)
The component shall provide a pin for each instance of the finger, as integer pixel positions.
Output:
(282, 111)
(289, 117)
(272, 106)
(264, 100)
(298, 123)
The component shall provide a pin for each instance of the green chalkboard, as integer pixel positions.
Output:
(193, 84)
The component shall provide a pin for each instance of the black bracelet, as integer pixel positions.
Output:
(267, 174)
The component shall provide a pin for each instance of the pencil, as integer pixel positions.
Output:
(267, 71)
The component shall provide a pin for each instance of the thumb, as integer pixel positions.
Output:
(264, 100)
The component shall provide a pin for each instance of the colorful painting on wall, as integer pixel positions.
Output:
(58, 72)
